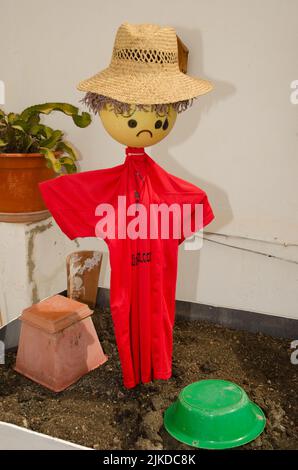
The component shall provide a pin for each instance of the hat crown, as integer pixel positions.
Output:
(146, 36)
(148, 44)
(144, 69)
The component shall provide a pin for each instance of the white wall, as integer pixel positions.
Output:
(239, 143)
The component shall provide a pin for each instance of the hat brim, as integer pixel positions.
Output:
(146, 88)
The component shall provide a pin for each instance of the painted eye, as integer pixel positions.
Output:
(132, 123)
(158, 124)
(165, 124)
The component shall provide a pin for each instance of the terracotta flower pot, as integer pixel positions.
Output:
(20, 198)
(58, 343)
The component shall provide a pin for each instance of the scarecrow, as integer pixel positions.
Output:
(137, 97)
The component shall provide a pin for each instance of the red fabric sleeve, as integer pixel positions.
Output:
(72, 199)
(182, 192)
(207, 214)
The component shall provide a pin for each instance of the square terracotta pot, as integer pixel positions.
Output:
(58, 343)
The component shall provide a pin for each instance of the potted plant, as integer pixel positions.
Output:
(31, 152)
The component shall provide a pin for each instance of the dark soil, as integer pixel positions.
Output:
(99, 412)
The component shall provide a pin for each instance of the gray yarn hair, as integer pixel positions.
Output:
(95, 103)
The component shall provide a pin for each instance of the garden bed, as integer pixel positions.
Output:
(99, 412)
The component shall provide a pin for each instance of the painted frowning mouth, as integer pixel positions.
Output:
(145, 130)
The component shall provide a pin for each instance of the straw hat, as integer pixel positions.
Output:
(144, 69)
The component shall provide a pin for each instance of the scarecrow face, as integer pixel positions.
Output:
(138, 128)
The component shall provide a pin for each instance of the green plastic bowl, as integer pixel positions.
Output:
(214, 414)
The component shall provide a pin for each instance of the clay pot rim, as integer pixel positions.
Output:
(26, 155)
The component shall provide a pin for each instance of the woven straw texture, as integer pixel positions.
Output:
(144, 69)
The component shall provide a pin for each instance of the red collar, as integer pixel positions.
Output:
(135, 152)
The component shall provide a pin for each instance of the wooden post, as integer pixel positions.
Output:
(182, 55)
(83, 268)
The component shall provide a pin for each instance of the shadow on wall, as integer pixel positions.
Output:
(189, 260)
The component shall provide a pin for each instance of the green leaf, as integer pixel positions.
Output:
(38, 129)
(57, 167)
(24, 132)
(28, 141)
(20, 125)
(50, 156)
(12, 118)
(66, 161)
(51, 142)
(18, 128)
(47, 131)
(68, 149)
(82, 120)
(70, 169)
(47, 108)
(41, 130)
(33, 120)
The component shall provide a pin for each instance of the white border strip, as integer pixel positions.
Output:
(14, 437)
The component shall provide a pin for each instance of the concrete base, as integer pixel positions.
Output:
(33, 263)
